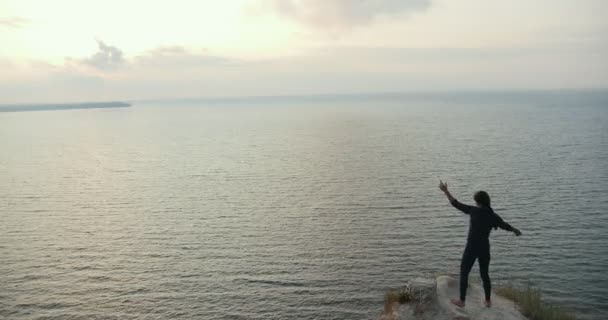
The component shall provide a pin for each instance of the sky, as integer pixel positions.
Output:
(70, 50)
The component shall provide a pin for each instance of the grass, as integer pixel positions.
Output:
(396, 296)
(532, 306)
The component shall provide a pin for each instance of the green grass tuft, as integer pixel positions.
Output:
(396, 296)
(532, 306)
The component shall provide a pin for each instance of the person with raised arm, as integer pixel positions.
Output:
(482, 220)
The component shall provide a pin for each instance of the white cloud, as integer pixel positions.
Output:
(341, 14)
(174, 72)
(176, 56)
(14, 22)
(108, 58)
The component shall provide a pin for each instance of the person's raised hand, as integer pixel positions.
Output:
(443, 186)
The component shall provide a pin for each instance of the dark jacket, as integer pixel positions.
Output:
(483, 219)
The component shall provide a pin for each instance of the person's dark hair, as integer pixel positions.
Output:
(482, 198)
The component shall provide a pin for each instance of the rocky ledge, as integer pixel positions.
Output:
(427, 299)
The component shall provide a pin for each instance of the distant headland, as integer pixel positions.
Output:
(62, 106)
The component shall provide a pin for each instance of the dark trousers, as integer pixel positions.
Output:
(481, 252)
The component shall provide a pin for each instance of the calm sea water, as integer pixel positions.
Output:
(295, 208)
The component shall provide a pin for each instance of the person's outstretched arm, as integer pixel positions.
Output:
(443, 186)
(505, 226)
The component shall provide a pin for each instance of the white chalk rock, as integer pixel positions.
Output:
(448, 288)
(430, 300)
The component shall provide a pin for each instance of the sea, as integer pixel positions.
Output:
(297, 207)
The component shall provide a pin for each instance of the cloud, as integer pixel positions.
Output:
(177, 72)
(108, 58)
(340, 14)
(109, 63)
(50, 83)
(177, 56)
(14, 22)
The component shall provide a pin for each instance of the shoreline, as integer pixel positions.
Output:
(62, 106)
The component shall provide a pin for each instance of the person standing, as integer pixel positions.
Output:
(482, 220)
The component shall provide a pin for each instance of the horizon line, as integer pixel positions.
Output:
(319, 95)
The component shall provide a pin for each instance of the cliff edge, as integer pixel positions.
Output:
(424, 299)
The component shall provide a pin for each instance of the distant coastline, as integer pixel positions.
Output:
(62, 106)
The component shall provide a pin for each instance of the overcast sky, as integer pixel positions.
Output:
(53, 51)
